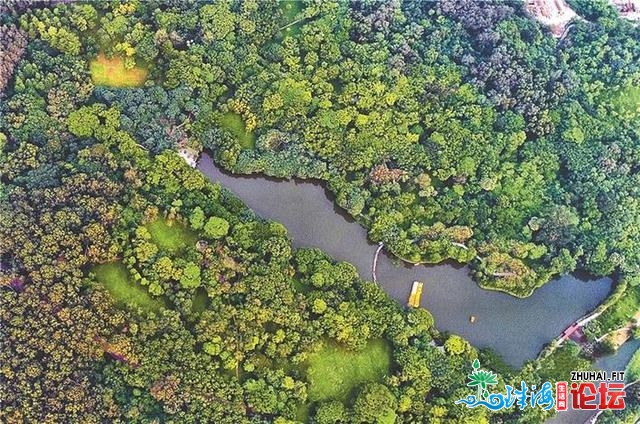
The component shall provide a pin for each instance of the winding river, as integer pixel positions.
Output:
(515, 328)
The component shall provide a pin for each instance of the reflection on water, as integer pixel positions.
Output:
(516, 328)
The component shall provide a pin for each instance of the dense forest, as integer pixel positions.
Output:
(132, 289)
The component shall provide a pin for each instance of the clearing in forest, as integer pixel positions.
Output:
(115, 278)
(333, 372)
(200, 300)
(291, 10)
(171, 235)
(112, 73)
(233, 123)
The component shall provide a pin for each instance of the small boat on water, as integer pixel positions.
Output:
(416, 294)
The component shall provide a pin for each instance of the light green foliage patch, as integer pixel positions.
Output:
(170, 235)
(335, 371)
(627, 100)
(190, 278)
(115, 278)
(622, 312)
(216, 227)
(233, 123)
(112, 73)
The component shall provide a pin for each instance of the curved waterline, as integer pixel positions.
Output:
(515, 328)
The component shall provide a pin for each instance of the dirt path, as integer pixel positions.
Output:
(621, 335)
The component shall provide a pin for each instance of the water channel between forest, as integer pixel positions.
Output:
(515, 328)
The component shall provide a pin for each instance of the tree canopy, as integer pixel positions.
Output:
(135, 290)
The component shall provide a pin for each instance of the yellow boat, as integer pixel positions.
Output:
(416, 294)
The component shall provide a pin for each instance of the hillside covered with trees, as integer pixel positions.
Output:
(450, 130)
(134, 290)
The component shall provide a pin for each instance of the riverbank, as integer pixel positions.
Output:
(515, 328)
(480, 284)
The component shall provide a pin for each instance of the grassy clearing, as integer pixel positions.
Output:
(233, 123)
(112, 73)
(291, 10)
(333, 372)
(171, 235)
(303, 412)
(115, 278)
(200, 301)
(622, 312)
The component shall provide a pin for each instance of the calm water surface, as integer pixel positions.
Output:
(516, 328)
